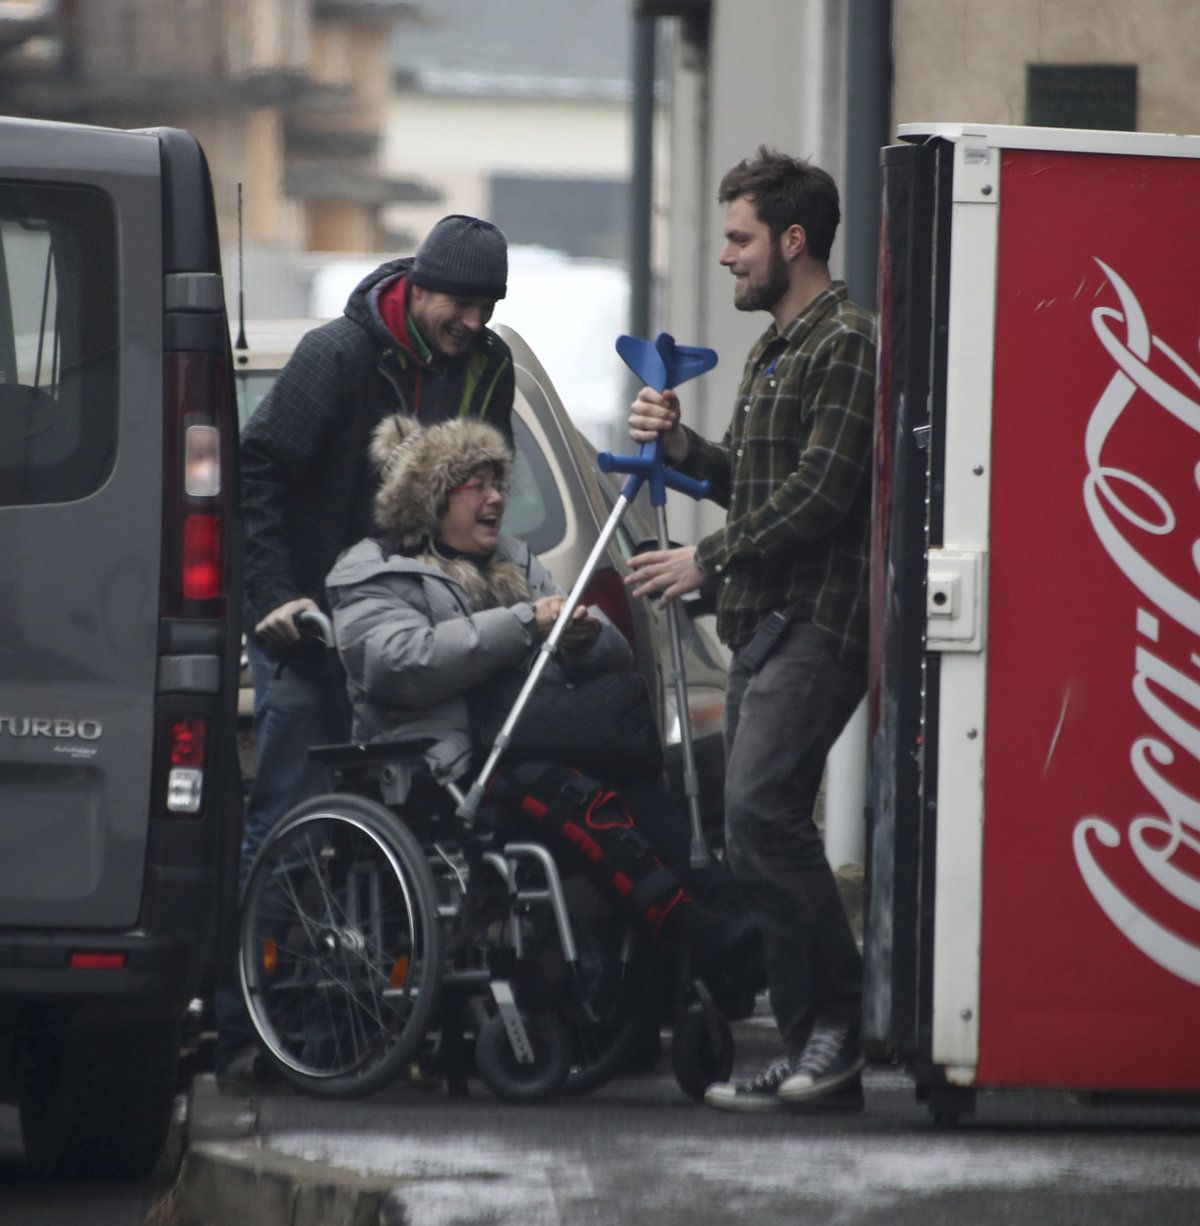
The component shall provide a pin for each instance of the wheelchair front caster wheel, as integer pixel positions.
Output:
(701, 1050)
(509, 1079)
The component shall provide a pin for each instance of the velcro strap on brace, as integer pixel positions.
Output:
(652, 887)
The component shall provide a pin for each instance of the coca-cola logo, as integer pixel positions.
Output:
(1131, 515)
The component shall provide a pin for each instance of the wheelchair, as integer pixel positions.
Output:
(378, 936)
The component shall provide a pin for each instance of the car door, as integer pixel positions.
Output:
(80, 455)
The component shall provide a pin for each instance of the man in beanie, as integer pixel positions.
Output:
(413, 340)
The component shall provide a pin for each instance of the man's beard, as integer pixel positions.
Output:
(764, 297)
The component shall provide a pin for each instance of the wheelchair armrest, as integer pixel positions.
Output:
(353, 754)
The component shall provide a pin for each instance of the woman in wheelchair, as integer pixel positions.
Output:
(441, 612)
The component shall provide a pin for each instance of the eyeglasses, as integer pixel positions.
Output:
(477, 485)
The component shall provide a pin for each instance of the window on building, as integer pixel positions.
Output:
(582, 217)
(1082, 96)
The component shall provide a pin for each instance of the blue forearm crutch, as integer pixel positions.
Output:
(660, 364)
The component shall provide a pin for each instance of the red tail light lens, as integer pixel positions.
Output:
(201, 557)
(187, 742)
(606, 590)
(88, 960)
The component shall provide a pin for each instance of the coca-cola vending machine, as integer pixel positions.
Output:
(1034, 863)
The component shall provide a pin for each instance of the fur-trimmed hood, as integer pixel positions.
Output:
(419, 466)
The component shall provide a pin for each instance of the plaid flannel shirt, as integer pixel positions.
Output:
(793, 471)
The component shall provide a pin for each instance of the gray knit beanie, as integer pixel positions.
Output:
(465, 256)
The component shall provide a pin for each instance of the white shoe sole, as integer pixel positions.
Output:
(724, 1098)
(796, 1090)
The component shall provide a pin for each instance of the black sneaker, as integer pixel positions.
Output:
(761, 1094)
(832, 1058)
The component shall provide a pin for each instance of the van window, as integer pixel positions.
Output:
(58, 342)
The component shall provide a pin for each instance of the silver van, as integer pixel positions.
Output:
(119, 794)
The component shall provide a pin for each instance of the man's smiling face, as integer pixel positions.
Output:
(752, 255)
(447, 322)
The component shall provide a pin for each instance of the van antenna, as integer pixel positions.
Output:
(240, 343)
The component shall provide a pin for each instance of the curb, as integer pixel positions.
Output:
(228, 1178)
(216, 1116)
(234, 1183)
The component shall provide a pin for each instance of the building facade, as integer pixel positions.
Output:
(788, 73)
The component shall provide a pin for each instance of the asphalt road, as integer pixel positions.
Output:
(28, 1201)
(638, 1152)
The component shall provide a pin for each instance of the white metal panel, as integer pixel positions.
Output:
(959, 865)
(1070, 140)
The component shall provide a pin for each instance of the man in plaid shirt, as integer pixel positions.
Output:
(790, 568)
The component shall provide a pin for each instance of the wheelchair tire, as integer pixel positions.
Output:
(506, 1077)
(602, 1052)
(696, 1060)
(340, 951)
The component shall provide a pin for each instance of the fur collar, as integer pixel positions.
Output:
(491, 584)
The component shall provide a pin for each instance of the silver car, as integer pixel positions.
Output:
(558, 505)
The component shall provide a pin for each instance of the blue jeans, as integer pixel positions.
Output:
(292, 712)
(780, 724)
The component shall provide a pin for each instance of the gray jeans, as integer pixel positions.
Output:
(780, 724)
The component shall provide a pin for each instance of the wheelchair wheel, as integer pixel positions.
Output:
(340, 952)
(506, 1077)
(701, 1050)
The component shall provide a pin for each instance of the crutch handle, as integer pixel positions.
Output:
(660, 364)
(648, 465)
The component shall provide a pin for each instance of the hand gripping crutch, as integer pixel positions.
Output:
(660, 364)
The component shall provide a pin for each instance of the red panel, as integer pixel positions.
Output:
(1091, 891)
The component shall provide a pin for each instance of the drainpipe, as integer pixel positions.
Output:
(868, 128)
(642, 175)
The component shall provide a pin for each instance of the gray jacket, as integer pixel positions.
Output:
(413, 650)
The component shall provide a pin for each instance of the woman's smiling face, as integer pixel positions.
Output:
(472, 520)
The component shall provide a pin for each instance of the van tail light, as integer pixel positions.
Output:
(201, 563)
(185, 773)
(606, 590)
(197, 461)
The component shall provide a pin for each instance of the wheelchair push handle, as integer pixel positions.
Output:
(313, 624)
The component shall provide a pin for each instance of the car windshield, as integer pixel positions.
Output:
(252, 386)
(534, 511)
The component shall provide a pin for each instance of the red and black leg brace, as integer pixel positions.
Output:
(589, 827)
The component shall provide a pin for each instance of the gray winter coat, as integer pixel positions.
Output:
(413, 650)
